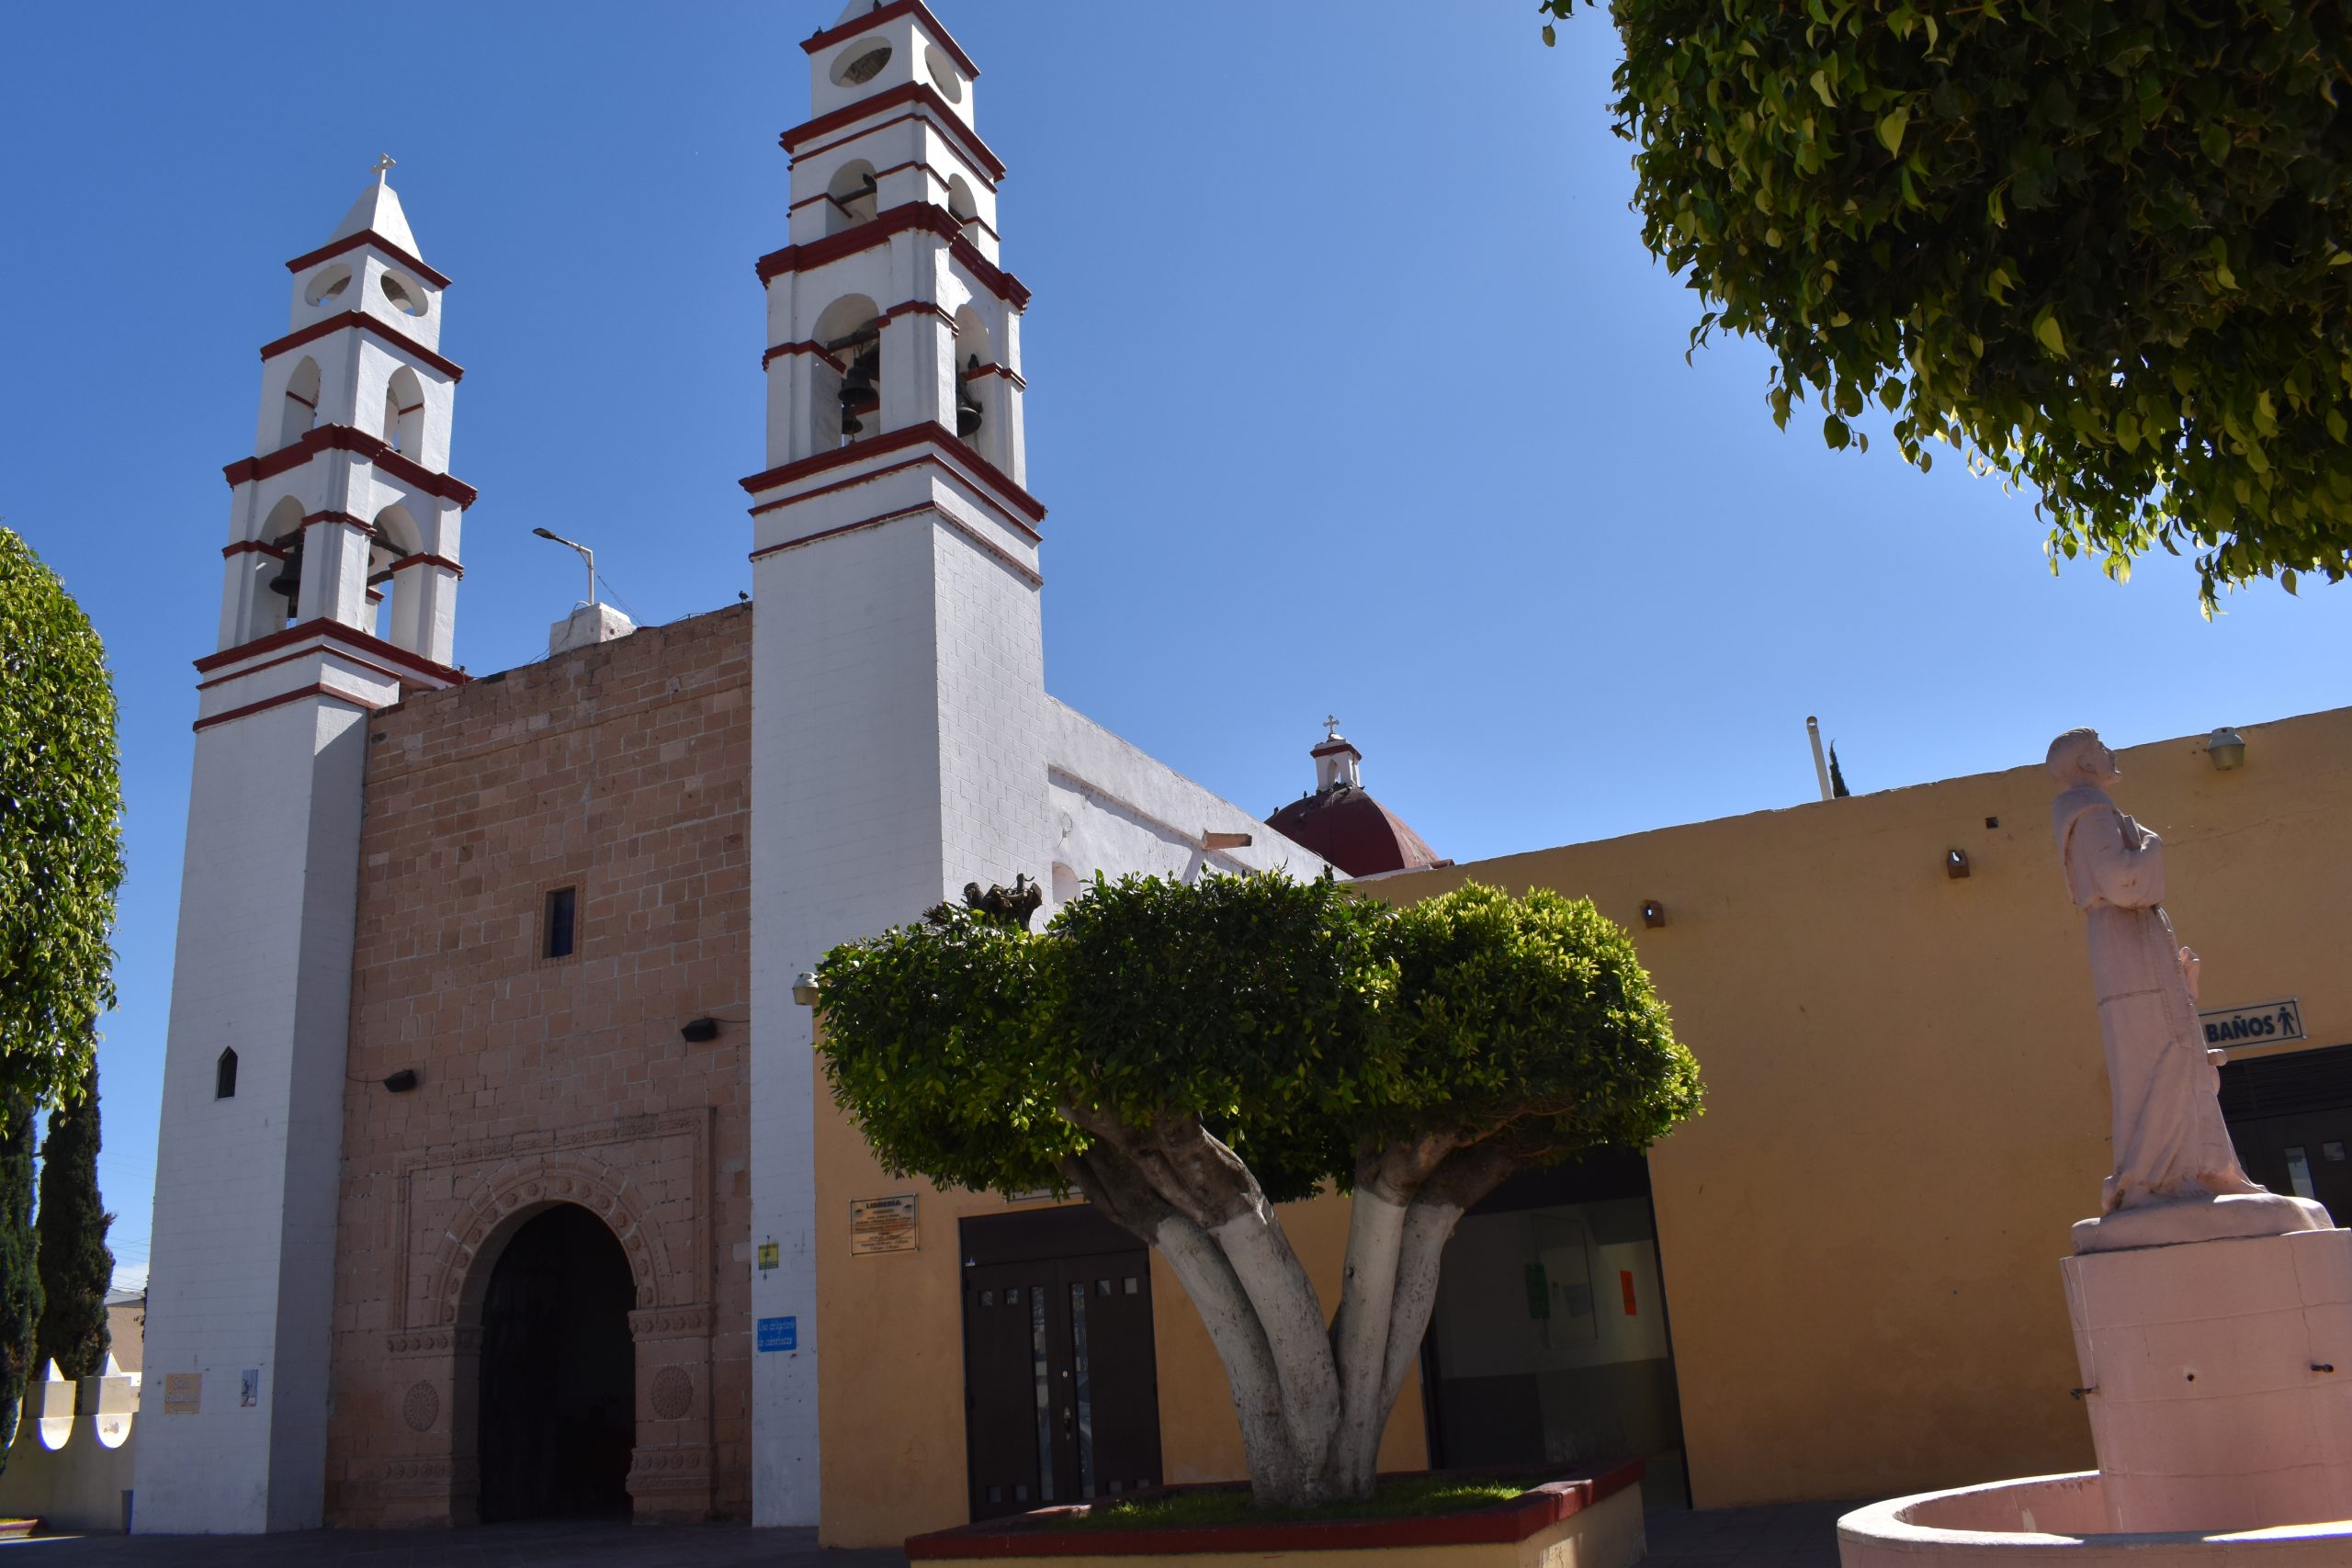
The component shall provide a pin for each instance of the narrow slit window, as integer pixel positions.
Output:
(563, 913)
(224, 1076)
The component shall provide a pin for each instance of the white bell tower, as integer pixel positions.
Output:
(347, 503)
(898, 664)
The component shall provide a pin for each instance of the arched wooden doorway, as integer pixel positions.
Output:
(558, 1370)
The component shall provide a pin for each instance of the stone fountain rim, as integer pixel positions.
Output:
(1884, 1525)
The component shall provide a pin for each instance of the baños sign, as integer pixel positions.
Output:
(2263, 1023)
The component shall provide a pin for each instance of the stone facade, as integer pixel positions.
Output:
(622, 771)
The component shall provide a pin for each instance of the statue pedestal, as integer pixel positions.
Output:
(2219, 1380)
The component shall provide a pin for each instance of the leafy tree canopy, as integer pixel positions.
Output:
(2101, 245)
(60, 850)
(1300, 1024)
(1188, 1054)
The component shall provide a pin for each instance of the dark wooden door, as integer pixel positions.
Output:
(2291, 1116)
(1061, 1395)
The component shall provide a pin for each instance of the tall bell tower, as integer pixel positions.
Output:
(898, 686)
(339, 596)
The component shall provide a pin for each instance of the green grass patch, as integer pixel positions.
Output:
(1404, 1497)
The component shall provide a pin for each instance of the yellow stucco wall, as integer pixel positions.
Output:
(1907, 1109)
(890, 1367)
(1906, 1094)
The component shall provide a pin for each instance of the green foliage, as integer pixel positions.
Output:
(60, 849)
(19, 1276)
(1299, 1024)
(77, 1269)
(2101, 245)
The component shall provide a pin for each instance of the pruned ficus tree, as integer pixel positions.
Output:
(2104, 246)
(1188, 1056)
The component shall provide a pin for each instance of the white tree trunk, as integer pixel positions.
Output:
(1292, 1316)
(1359, 1335)
(1275, 1474)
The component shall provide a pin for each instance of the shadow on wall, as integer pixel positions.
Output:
(70, 1463)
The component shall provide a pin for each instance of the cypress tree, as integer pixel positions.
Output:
(1837, 790)
(19, 1277)
(75, 1266)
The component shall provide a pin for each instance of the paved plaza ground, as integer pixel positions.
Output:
(1801, 1536)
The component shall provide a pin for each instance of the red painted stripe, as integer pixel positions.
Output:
(364, 322)
(332, 632)
(343, 654)
(252, 546)
(825, 39)
(343, 438)
(897, 441)
(367, 237)
(920, 94)
(281, 700)
(1027, 573)
(902, 220)
(422, 560)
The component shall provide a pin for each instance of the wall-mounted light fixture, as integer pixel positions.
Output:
(1955, 864)
(699, 1031)
(804, 988)
(1653, 913)
(402, 1081)
(2227, 748)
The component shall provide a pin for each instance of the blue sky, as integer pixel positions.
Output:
(1351, 389)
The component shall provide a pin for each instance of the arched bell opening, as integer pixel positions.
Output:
(845, 384)
(397, 537)
(404, 413)
(961, 205)
(978, 389)
(278, 586)
(556, 1425)
(301, 403)
(852, 196)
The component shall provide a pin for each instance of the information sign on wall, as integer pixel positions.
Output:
(2263, 1023)
(182, 1393)
(882, 1225)
(779, 1334)
(768, 1254)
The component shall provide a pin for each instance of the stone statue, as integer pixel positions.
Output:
(2176, 1175)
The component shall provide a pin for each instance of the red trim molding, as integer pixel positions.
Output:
(422, 560)
(1036, 1535)
(899, 220)
(336, 633)
(826, 37)
(868, 478)
(1027, 573)
(968, 140)
(343, 438)
(366, 323)
(280, 700)
(367, 237)
(251, 547)
(897, 441)
(344, 518)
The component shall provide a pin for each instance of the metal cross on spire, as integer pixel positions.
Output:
(1331, 726)
(384, 161)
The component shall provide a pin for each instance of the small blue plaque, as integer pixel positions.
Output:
(779, 1334)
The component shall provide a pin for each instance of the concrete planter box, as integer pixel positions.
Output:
(1594, 1522)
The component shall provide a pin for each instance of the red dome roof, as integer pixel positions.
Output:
(1354, 832)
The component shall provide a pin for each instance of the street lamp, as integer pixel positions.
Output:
(585, 554)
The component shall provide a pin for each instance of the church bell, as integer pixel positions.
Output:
(288, 580)
(968, 414)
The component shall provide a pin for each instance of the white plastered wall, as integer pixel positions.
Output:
(242, 1262)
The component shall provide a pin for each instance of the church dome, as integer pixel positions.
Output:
(1342, 821)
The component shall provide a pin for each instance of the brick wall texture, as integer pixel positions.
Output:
(622, 771)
